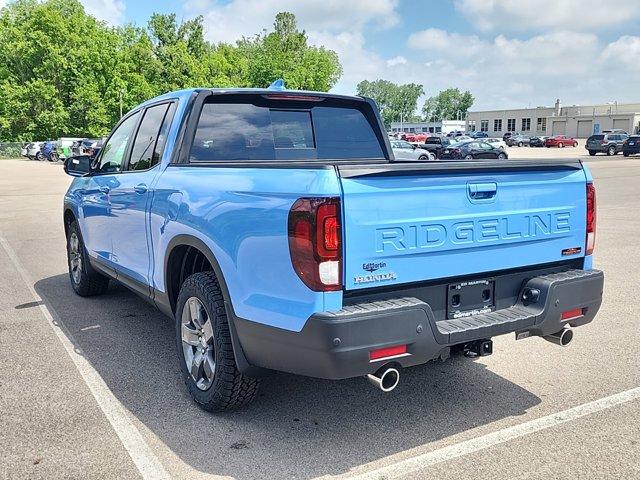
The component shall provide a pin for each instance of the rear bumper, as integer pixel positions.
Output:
(336, 345)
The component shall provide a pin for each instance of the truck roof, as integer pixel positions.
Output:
(250, 91)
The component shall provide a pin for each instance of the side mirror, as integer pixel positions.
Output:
(78, 166)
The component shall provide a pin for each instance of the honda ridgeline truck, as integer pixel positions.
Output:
(277, 230)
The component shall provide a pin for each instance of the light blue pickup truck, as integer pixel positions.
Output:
(280, 233)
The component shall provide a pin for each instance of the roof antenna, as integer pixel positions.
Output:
(277, 85)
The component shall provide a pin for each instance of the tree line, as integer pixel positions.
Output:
(398, 102)
(64, 73)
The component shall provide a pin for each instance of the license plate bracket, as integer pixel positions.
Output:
(468, 298)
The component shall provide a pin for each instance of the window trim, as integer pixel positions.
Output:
(129, 150)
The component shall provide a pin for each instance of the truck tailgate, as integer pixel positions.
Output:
(408, 225)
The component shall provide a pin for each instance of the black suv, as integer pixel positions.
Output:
(609, 143)
(435, 145)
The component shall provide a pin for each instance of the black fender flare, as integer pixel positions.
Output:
(163, 301)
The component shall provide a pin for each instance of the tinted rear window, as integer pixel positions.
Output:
(435, 140)
(260, 130)
(596, 137)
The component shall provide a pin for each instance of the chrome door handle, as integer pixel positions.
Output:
(141, 188)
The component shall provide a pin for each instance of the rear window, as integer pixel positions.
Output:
(256, 129)
(596, 137)
(433, 140)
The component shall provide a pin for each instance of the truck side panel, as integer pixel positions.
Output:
(242, 216)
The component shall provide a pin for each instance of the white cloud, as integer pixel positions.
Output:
(511, 72)
(230, 21)
(580, 15)
(111, 11)
(399, 60)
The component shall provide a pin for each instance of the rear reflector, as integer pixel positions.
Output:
(571, 314)
(591, 219)
(387, 352)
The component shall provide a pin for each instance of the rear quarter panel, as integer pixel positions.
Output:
(241, 214)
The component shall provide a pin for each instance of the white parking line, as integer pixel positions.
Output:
(145, 460)
(414, 464)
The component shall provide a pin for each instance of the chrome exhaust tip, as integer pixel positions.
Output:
(386, 379)
(562, 338)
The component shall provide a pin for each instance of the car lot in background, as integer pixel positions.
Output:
(403, 150)
(472, 150)
(631, 146)
(560, 141)
(518, 141)
(609, 143)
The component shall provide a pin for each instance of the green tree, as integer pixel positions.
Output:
(285, 53)
(449, 104)
(62, 72)
(396, 102)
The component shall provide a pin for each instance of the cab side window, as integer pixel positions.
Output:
(151, 137)
(114, 150)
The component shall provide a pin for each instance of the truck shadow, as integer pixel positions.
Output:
(299, 427)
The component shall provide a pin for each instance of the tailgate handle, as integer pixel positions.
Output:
(482, 191)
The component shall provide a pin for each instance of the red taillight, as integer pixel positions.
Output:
(591, 219)
(315, 243)
(387, 352)
(571, 314)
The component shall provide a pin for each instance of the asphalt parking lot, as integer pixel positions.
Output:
(89, 388)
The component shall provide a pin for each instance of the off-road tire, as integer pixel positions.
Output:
(230, 388)
(90, 282)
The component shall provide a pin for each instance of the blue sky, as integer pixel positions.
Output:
(509, 53)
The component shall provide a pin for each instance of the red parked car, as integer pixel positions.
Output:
(560, 141)
(414, 137)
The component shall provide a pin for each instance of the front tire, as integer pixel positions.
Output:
(205, 350)
(520, 144)
(561, 145)
(575, 144)
(423, 157)
(611, 151)
(85, 281)
(468, 157)
(501, 156)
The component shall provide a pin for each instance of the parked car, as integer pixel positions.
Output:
(496, 142)
(478, 135)
(436, 144)
(537, 141)
(560, 141)
(322, 258)
(631, 146)
(609, 143)
(403, 150)
(461, 138)
(32, 151)
(473, 149)
(616, 130)
(518, 140)
(86, 146)
(509, 134)
(50, 151)
(455, 133)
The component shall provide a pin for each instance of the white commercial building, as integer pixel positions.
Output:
(444, 126)
(577, 121)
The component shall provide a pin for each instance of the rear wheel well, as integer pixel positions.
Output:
(184, 261)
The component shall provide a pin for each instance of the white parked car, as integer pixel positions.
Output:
(496, 142)
(403, 150)
(32, 151)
